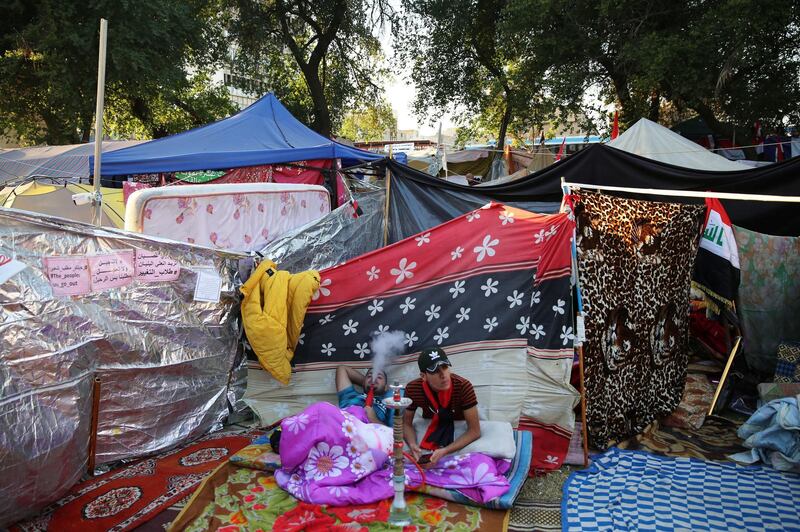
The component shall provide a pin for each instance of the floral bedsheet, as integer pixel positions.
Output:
(332, 456)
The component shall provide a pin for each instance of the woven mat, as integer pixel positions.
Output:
(538, 506)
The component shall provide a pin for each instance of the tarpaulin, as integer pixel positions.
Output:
(263, 133)
(601, 165)
(492, 288)
(131, 314)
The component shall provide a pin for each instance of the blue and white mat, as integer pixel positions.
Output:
(635, 490)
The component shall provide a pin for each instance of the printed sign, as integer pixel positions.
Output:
(208, 286)
(69, 276)
(9, 268)
(152, 267)
(111, 270)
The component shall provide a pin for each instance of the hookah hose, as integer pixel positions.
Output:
(370, 396)
(419, 468)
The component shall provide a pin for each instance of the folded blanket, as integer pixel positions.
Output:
(329, 456)
(497, 437)
(773, 435)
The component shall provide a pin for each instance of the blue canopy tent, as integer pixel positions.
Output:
(263, 133)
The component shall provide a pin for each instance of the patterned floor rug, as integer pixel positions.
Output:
(715, 440)
(125, 498)
(239, 499)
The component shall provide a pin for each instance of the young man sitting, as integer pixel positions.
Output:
(348, 378)
(444, 397)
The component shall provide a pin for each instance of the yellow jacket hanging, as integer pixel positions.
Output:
(273, 310)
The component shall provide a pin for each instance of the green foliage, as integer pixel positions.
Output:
(320, 58)
(48, 67)
(369, 122)
(465, 58)
(727, 60)
(565, 61)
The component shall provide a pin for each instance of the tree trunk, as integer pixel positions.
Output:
(655, 106)
(58, 131)
(721, 129)
(501, 136)
(322, 115)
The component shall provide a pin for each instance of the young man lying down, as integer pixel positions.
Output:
(337, 457)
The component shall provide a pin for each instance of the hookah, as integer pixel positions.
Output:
(399, 513)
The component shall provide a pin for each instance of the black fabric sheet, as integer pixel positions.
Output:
(420, 201)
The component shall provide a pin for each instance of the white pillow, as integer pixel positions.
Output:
(497, 437)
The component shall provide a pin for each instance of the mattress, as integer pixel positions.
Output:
(235, 217)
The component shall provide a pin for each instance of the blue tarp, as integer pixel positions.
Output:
(264, 133)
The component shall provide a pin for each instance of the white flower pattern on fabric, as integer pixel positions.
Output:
(362, 349)
(326, 319)
(355, 447)
(301, 339)
(325, 461)
(348, 428)
(382, 329)
(538, 238)
(552, 232)
(522, 326)
(473, 216)
(322, 290)
(487, 248)
(470, 477)
(363, 465)
(441, 335)
(491, 323)
(490, 287)
(457, 288)
(463, 314)
(558, 308)
(536, 297)
(411, 338)
(566, 335)
(408, 304)
(328, 349)
(456, 253)
(338, 491)
(515, 299)
(423, 239)
(351, 327)
(537, 331)
(375, 307)
(507, 217)
(433, 313)
(403, 270)
(296, 423)
(373, 272)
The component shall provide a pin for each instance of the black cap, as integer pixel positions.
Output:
(431, 358)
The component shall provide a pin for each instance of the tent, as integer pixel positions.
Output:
(263, 133)
(54, 197)
(654, 141)
(419, 201)
(69, 161)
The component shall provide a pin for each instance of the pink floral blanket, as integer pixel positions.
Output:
(332, 456)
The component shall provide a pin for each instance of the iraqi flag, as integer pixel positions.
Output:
(716, 270)
(492, 288)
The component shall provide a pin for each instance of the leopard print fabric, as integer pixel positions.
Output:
(635, 261)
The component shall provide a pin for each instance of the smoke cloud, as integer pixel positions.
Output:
(386, 346)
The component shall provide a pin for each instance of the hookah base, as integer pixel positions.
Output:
(399, 517)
